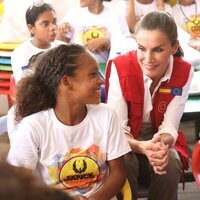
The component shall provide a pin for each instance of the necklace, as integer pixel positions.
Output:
(195, 21)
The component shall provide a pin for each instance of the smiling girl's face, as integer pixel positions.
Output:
(87, 81)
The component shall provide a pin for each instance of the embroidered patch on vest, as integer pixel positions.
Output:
(175, 91)
(162, 107)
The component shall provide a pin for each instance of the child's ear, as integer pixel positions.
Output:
(31, 28)
(176, 46)
(65, 81)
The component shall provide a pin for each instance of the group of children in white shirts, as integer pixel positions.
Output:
(87, 143)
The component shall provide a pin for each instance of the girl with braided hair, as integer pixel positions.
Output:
(65, 135)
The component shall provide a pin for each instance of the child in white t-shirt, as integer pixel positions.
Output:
(187, 16)
(93, 24)
(65, 135)
(135, 9)
(42, 24)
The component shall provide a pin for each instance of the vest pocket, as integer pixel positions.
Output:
(135, 105)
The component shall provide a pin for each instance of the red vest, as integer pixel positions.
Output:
(132, 86)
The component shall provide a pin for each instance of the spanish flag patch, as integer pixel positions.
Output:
(175, 91)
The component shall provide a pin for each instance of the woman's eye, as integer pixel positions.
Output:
(159, 50)
(141, 48)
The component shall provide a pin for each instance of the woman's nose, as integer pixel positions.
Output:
(149, 57)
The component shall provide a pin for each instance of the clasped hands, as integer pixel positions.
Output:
(157, 153)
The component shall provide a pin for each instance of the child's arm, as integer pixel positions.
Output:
(131, 18)
(114, 182)
(98, 44)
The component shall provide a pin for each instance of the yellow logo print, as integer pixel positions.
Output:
(79, 172)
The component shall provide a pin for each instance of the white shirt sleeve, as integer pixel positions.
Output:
(12, 125)
(116, 99)
(119, 24)
(19, 59)
(24, 150)
(117, 142)
(175, 111)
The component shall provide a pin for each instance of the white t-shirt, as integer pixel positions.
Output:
(188, 17)
(72, 158)
(21, 55)
(87, 25)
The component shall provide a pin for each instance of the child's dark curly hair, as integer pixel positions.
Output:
(38, 91)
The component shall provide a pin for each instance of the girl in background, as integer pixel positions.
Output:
(187, 16)
(96, 25)
(42, 24)
(135, 9)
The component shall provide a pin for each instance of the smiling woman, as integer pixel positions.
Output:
(148, 89)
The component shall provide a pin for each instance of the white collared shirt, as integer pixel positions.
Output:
(174, 110)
